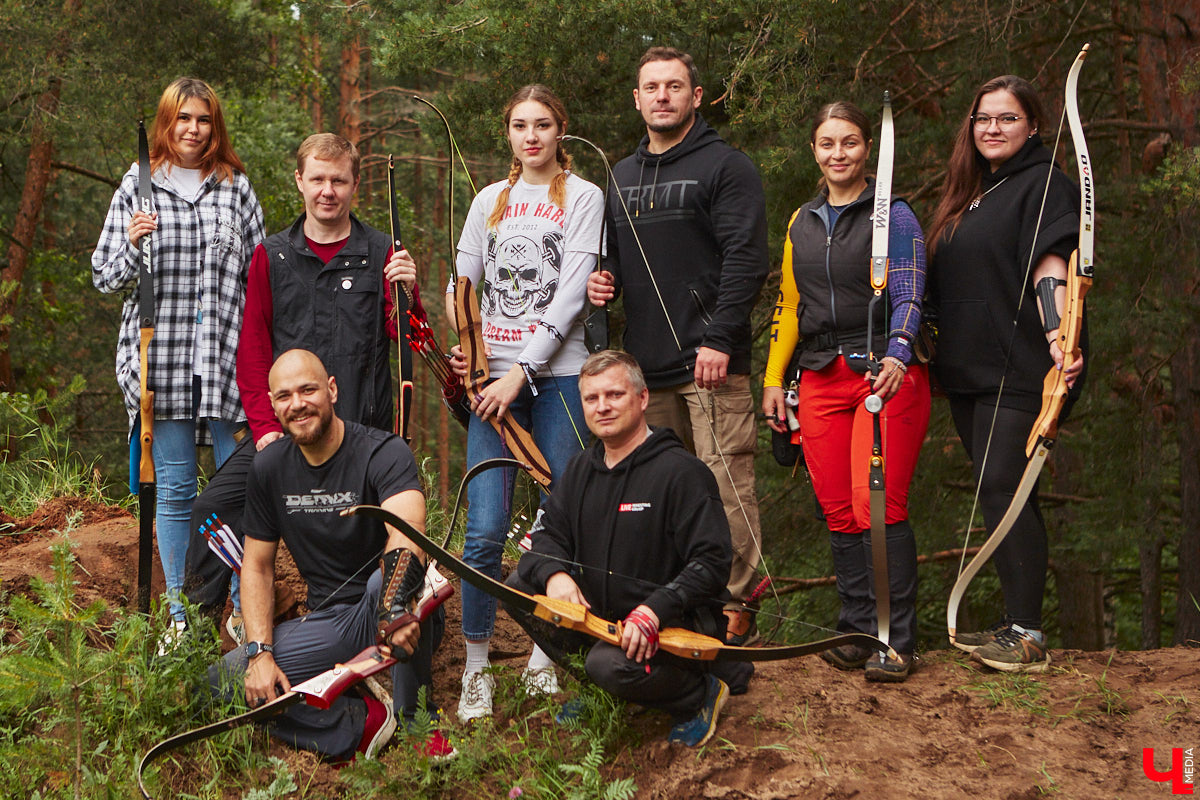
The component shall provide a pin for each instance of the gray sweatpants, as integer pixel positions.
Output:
(312, 644)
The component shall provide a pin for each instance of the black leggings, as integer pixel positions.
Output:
(1022, 557)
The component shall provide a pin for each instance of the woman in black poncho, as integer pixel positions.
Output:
(998, 254)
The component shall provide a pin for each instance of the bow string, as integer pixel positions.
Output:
(708, 415)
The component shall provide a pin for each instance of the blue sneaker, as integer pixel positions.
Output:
(700, 728)
(570, 712)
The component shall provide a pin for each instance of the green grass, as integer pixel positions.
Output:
(40, 464)
(520, 752)
(1015, 691)
(83, 694)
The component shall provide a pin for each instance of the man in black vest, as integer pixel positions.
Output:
(323, 285)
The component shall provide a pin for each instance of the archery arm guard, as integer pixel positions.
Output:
(1045, 295)
(403, 580)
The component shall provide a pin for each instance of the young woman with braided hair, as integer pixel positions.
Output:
(529, 243)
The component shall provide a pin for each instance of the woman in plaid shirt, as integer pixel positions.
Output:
(205, 226)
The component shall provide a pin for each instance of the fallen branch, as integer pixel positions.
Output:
(790, 585)
(1052, 497)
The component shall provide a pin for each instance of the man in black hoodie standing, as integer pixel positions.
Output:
(635, 531)
(687, 248)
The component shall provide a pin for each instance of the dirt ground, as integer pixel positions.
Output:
(805, 729)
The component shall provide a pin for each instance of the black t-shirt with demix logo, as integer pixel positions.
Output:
(288, 498)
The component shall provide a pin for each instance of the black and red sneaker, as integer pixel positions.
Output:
(378, 730)
(436, 748)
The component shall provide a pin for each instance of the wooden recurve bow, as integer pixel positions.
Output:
(470, 338)
(468, 323)
(676, 641)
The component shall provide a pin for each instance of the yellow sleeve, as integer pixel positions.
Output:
(785, 325)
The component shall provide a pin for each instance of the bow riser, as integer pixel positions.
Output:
(402, 303)
(470, 338)
(1054, 386)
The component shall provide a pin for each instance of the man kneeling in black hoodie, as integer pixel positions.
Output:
(635, 530)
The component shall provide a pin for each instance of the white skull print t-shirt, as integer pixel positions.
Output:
(531, 273)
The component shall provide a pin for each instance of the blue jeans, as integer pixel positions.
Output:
(175, 475)
(490, 493)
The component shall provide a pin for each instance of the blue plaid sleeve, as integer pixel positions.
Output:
(906, 280)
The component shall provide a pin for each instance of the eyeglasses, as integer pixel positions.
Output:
(983, 121)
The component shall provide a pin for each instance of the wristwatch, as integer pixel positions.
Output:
(258, 648)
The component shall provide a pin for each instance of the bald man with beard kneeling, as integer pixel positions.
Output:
(296, 490)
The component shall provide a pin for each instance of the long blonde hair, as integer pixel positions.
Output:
(558, 187)
(219, 155)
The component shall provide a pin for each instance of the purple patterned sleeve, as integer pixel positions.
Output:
(906, 280)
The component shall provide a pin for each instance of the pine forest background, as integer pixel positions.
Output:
(1122, 490)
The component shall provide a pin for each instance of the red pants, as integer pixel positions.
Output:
(838, 435)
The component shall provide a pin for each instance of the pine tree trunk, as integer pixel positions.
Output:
(349, 90)
(1166, 48)
(33, 196)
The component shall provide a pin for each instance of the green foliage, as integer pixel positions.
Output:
(82, 692)
(41, 465)
(266, 130)
(520, 751)
(280, 785)
(1177, 185)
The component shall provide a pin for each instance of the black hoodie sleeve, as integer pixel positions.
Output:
(739, 224)
(700, 532)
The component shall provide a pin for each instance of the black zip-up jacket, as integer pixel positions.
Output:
(650, 530)
(832, 271)
(977, 277)
(701, 216)
(336, 311)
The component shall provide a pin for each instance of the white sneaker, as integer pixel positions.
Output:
(236, 628)
(539, 681)
(476, 698)
(171, 636)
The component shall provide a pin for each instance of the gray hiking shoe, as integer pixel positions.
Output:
(970, 641)
(1014, 650)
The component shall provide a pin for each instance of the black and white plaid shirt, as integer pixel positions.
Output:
(201, 254)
